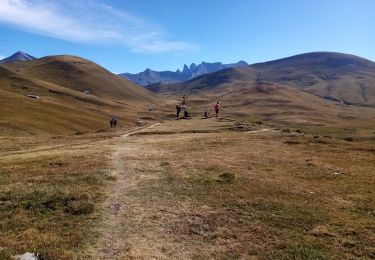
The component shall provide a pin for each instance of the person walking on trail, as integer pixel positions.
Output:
(112, 122)
(115, 122)
(178, 110)
(217, 108)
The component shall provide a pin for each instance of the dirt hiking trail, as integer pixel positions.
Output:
(159, 206)
(120, 236)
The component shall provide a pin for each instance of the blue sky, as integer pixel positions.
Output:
(132, 35)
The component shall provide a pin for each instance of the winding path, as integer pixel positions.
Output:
(111, 243)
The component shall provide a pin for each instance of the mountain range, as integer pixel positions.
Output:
(338, 77)
(149, 76)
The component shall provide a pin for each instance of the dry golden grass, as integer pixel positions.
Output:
(62, 107)
(50, 190)
(188, 189)
(225, 195)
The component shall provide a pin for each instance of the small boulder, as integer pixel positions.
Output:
(27, 256)
(227, 177)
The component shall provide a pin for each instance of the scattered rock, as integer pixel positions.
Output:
(27, 256)
(349, 139)
(286, 130)
(321, 231)
(33, 96)
(227, 177)
(140, 123)
(116, 208)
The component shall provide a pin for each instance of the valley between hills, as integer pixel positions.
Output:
(286, 171)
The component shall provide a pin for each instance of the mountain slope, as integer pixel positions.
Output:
(326, 74)
(84, 76)
(149, 76)
(18, 56)
(60, 105)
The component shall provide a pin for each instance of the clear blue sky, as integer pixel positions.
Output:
(132, 35)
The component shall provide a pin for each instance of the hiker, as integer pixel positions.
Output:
(178, 110)
(115, 122)
(217, 108)
(112, 122)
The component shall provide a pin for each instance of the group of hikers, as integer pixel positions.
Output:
(182, 107)
(113, 122)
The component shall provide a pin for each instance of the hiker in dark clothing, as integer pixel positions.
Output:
(178, 110)
(111, 122)
(217, 108)
(115, 122)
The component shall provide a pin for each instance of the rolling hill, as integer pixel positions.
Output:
(64, 95)
(83, 75)
(332, 75)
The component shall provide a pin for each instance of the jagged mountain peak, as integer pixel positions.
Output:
(185, 69)
(149, 77)
(193, 66)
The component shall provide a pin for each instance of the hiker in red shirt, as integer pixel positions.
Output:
(217, 108)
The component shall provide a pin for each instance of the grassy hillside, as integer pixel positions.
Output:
(62, 110)
(325, 74)
(80, 74)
